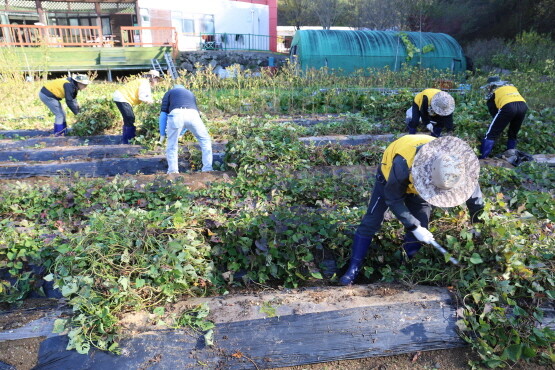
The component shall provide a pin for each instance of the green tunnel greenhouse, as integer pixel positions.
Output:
(349, 51)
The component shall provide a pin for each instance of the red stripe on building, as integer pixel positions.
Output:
(272, 28)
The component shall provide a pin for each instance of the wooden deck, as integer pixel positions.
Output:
(65, 59)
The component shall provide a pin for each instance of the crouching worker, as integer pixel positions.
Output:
(416, 173)
(62, 88)
(434, 108)
(131, 94)
(507, 107)
(179, 113)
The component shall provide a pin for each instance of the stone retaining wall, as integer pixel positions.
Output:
(218, 60)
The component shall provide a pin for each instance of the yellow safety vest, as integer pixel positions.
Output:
(430, 93)
(406, 148)
(507, 94)
(130, 91)
(56, 87)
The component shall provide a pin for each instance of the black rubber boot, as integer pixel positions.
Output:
(128, 133)
(486, 148)
(360, 248)
(511, 144)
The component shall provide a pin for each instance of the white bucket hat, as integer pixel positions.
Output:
(442, 104)
(82, 79)
(445, 171)
(154, 73)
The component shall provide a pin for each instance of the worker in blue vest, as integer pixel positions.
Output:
(433, 108)
(416, 173)
(66, 88)
(508, 108)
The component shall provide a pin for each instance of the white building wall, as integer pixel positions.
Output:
(237, 20)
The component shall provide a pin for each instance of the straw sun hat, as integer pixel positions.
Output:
(443, 103)
(445, 171)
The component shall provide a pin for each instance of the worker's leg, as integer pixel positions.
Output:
(496, 127)
(519, 109)
(57, 110)
(420, 209)
(129, 129)
(370, 224)
(176, 121)
(194, 124)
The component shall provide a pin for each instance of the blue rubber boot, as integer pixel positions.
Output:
(128, 133)
(60, 129)
(411, 245)
(486, 148)
(360, 248)
(511, 144)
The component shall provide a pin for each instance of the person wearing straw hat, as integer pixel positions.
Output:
(54, 91)
(179, 113)
(434, 108)
(508, 108)
(131, 94)
(416, 173)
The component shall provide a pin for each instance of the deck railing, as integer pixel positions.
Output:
(232, 41)
(34, 35)
(149, 36)
(91, 36)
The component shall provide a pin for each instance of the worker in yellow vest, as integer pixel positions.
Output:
(416, 173)
(434, 109)
(66, 88)
(508, 108)
(133, 93)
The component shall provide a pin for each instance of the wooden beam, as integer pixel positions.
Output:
(285, 328)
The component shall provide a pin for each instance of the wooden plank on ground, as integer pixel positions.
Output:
(284, 328)
(70, 153)
(548, 159)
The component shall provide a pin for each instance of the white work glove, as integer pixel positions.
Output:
(162, 138)
(430, 127)
(423, 235)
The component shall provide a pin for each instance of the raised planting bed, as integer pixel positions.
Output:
(275, 329)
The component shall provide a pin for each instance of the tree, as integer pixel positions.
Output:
(328, 11)
(294, 13)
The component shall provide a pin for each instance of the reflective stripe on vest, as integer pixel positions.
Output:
(130, 91)
(406, 148)
(56, 87)
(420, 96)
(505, 95)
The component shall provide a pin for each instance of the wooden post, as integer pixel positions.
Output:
(98, 21)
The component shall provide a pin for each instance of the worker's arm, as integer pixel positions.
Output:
(491, 105)
(475, 204)
(396, 190)
(70, 92)
(424, 111)
(415, 118)
(164, 113)
(145, 92)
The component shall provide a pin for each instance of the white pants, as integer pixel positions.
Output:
(189, 119)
